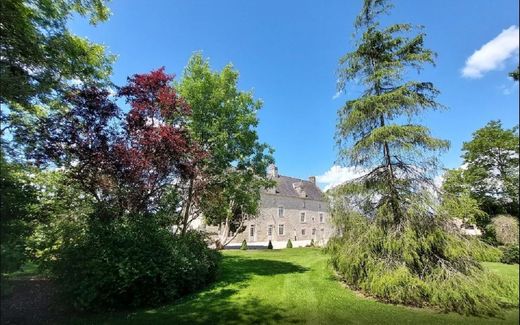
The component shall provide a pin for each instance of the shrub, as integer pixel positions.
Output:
(419, 264)
(12, 248)
(481, 251)
(511, 254)
(289, 244)
(129, 263)
(506, 229)
(270, 245)
(244, 245)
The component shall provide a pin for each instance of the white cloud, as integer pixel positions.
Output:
(336, 95)
(493, 54)
(337, 175)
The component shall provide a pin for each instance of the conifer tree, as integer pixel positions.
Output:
(368, 131)
(393, 244)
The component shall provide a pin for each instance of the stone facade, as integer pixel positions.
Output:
(294, 209)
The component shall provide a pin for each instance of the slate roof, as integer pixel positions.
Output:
(284, 186)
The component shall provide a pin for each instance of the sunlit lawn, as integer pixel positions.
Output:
(289, 286)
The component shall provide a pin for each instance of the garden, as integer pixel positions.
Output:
(102, 185)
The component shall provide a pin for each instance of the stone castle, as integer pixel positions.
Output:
(294, 209)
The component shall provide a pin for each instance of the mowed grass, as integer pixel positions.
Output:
(290, 286)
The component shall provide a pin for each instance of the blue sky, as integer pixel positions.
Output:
(287, 53)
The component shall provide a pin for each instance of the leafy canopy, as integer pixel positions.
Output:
(41, 59)
(492, 161)
(224, 121)
(126, 162)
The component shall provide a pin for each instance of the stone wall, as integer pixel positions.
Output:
(294, 228)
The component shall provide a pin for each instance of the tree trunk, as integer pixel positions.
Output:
(187, 209)
(394, 199)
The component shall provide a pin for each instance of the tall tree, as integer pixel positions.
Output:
(492, 161)
(125, 162)
(368, 131)
(224, 122)
(394, 244)
(41, 58)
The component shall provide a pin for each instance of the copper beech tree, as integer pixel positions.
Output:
(125, 161)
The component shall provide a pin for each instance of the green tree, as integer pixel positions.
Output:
(393, 243)
(491, 157)
(457, 200)
(462, 207)
(368, 133)
(41, 58)
(18, 196)
(224, 119)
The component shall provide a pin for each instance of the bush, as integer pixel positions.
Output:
(506, 229)
(511, 255)
(289, 244)
(481, 251)
(131, 263)
(419, 264)
(12, 248)
(270, 245)
(244, 245)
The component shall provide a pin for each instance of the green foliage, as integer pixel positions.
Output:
(462, 207)
(393, 246)
(18, 196)
(244, 245)
(367, 131)
(289, 244)
(224, 120)
(492, 168)
(482, 251)
(270, 245)
(418, 267)
(133, 262)
(511, 255)
(41, 59)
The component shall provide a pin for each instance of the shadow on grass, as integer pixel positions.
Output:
(215, 304)
(235, 269)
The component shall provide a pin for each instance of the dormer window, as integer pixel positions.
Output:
(280, 212)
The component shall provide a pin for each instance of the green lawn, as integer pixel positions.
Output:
(290, 286)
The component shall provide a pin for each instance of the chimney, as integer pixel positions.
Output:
(272, 170)
(312, 179)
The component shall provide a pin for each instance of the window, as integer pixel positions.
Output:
(280, 230)
(252, 231)
(280, 212)
(314, 231)
(321, 218)
(302, 216)
(270, 230)
(319, 205)
(322, 230)
(303, 232)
